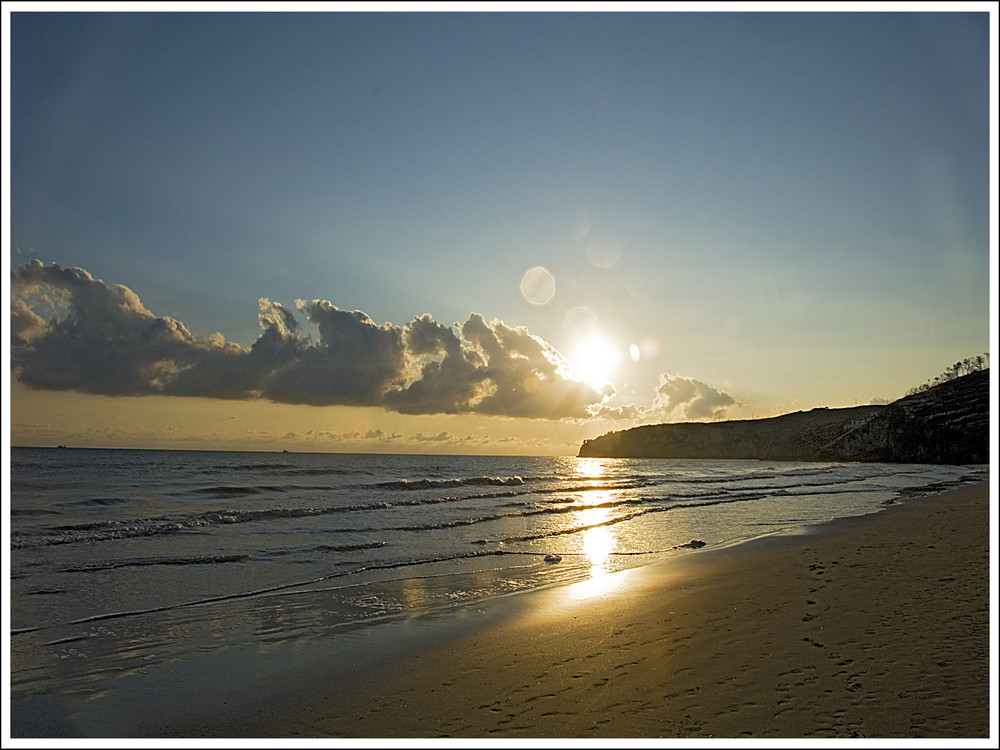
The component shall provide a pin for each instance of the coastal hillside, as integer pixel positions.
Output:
(948, 423)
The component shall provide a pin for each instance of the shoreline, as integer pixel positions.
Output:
(783, 636)
(870, 626)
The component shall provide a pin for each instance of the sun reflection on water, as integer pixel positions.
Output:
(591, 468)
(598, 542)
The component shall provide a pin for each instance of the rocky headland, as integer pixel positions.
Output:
(948, 423)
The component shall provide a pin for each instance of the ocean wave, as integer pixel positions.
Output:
(256, 489)
(429, 484)
(280, 469)
(116, 529)
(653, 506)
(261, 466)
(348, 547)
(119, 529)
(512, 497)
(98, 502)
(326, 548)
(29, 512)
(227, 490)
(149, 561)
(742, 477)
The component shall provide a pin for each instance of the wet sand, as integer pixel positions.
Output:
(876, 626)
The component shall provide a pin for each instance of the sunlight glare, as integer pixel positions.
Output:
(594, 359)
(591, 468)
(598, 543)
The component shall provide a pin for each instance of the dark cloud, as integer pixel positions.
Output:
(354, 363)
(686, 399)
(24, 323)
(70, 331)
(99, 339)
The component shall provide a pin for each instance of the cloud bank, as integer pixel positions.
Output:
(682, 399)
(70, 331)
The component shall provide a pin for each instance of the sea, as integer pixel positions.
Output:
(125, 560)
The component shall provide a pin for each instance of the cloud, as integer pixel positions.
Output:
(441, 437)
(489, 368)
(377, 435)
(99, 339)
(686, 399)
(354, 363)
(382, 436)
(625, 411)
(24, 323)
(70, 331)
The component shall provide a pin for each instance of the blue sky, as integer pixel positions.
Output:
(757, 212)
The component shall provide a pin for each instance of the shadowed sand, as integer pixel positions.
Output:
(876, 626)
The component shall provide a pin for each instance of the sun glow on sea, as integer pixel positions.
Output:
(598, 543)
(590, 468)
(598, 540)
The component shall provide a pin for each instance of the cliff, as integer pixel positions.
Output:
(948, 423)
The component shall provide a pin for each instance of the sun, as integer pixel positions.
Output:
(594, 359)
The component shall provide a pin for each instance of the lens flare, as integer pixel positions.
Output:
(538, 286)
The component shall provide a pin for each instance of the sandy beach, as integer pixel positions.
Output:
(876, 626)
